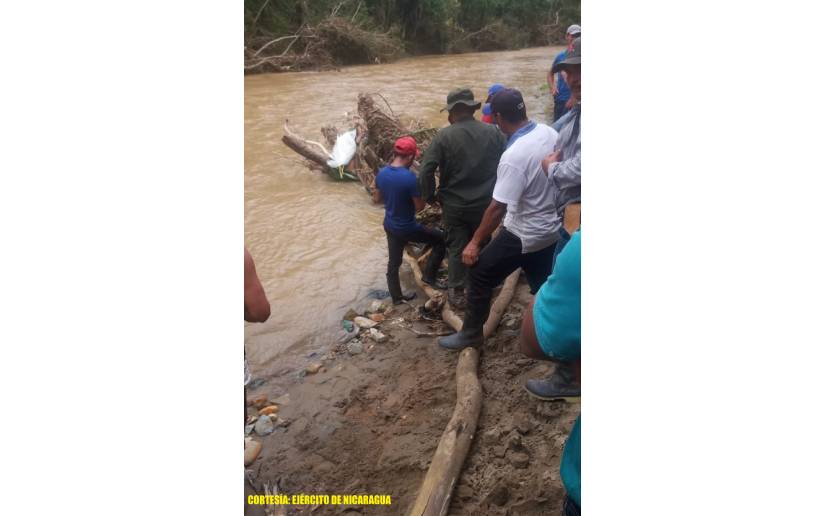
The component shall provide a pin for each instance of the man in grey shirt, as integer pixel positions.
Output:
(563, 169)
(563, 166)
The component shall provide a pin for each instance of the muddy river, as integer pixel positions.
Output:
(319, 245)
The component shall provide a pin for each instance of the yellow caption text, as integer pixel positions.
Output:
(319, 499)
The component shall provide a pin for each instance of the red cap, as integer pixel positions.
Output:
(405, 146)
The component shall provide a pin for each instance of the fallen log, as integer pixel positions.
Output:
(424, 256)
(501, 303)
(305, 147)
(421, 334)
(447, 314)
(436, 490)
(499, 306)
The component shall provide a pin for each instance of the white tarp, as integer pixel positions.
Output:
(344, 149)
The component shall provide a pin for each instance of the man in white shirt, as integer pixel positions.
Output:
(525, 199)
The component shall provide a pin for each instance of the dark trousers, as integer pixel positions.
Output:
(396, 242)
(459, 226)
(496, 261)
(559, 109)
(570, 508)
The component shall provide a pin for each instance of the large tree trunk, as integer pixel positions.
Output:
(501, 303)
(436, 490)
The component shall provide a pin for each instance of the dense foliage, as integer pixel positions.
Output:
(331, 32)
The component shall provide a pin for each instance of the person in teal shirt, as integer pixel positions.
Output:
(551, 330)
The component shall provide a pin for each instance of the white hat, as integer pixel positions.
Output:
(574, 29)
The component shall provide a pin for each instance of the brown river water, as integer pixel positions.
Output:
(319, 246)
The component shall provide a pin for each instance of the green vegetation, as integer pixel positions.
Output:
(282, 35)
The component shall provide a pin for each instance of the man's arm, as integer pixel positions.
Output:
(551, 81)
(489, 222)
(566, 173)
(419, 204)
(255, 304)
(551, 77)
(375, 190)
(430, 160)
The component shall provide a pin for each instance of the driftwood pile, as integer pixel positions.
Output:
(376, 131)
(333, 41)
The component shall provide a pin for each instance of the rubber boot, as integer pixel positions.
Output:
(394, 286)
(561, 385)
(430, 272)
(471, 334)
(461, 340)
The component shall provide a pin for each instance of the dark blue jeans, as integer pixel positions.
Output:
(396, 242)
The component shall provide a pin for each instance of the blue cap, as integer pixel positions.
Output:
(495, 88)
(486, 109)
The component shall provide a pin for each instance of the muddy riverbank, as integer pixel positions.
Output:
(369, 423)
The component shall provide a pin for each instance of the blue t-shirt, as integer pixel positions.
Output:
(564, 90)
(398, 186)
(571, 463)
(557, 317)
(557, 309)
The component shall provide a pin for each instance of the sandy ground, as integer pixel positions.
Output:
(369, 424)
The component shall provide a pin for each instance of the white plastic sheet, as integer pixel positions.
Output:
(344, 149)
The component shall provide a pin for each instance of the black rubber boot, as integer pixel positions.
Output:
(394, 286)
(430, 271)
(561, 385)
(471, 334)
(461, 340)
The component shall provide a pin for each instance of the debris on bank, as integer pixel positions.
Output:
(376, 130)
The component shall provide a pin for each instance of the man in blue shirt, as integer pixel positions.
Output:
(558, 87)
(551, 330)
(397, 187)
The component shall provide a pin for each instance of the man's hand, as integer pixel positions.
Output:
(469, 256)
(551, 158)
(570, 102)
(554, 90)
